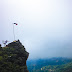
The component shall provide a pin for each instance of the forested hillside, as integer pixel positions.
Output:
(56, 68)
(50, 65)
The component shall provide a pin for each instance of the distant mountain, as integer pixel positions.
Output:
(56, 68)
(48, 65)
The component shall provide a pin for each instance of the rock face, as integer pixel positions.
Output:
(13, 58)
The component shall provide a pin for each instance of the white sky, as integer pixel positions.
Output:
(44, 26)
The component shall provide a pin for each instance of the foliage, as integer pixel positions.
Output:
(50, 65)
(13, 59)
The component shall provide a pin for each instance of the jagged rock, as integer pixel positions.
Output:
(13, 58)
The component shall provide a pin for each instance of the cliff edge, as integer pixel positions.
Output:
(13, 57)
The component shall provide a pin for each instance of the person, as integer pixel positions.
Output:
(5, 42)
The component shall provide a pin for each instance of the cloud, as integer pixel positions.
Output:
(44, 26)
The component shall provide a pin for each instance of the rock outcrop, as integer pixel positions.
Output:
(13, 58)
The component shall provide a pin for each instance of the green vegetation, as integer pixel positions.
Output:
(50, 65)
(13, 58)
(57, 68)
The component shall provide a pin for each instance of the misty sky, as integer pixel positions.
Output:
(44, 26)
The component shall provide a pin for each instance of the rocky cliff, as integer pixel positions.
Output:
(13, 57)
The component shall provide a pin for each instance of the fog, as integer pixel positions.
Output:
(44, 26)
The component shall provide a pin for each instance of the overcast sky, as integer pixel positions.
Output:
(44, 26)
